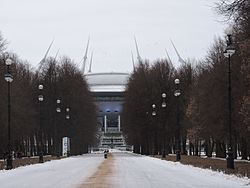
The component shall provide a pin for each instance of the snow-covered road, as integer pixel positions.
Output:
(125, 170)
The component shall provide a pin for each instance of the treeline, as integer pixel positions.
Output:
(61, 80)
(203, 103)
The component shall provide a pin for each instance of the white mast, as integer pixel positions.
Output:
(56, 54)
(169, 59)
(180, 59)
(133, 61)
(137, 50)
(45, 56)
(90, 64)
(85, 57)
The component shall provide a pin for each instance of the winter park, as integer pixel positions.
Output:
(125, 94)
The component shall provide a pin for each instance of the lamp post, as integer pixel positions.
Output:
(9, 78)
(230, 50)
(67, 113)
(67, 109)
(40, 145)
(153, 110)
(58, 110)
(177, 93)
(164, 105)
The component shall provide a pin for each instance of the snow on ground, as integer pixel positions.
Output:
(64, 173)
(135, 171)
(127, 171)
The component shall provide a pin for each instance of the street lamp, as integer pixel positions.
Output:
(164, 105)
(67, 109)
(177, 93)
(58, 110)
(40, 145)
(153, 110)
(9, 78)
(230, 50)
(67, 113)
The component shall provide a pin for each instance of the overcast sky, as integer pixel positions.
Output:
(30, 26)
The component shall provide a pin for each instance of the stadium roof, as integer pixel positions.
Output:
(107, 82)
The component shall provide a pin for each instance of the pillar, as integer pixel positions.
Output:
(119, 123)
(105, 124)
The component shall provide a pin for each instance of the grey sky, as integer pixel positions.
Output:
(30, 25)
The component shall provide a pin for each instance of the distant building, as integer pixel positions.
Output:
(108, 90)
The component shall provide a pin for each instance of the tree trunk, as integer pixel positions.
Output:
(196, 147)
(190, 148)
(243, 149)
(209, 147)
(220, 149)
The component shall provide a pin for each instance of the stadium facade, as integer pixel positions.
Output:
(108, 90)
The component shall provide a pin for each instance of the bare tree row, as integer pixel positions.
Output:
(62, 81)
(203, 101)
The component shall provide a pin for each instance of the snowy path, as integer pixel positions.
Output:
(122, 170)
(135, 171)
(64, 173)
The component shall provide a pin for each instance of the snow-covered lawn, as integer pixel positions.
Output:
(135, 171)
(64, 173)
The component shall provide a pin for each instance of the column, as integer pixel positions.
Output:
(105, 124)
(119, 123)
